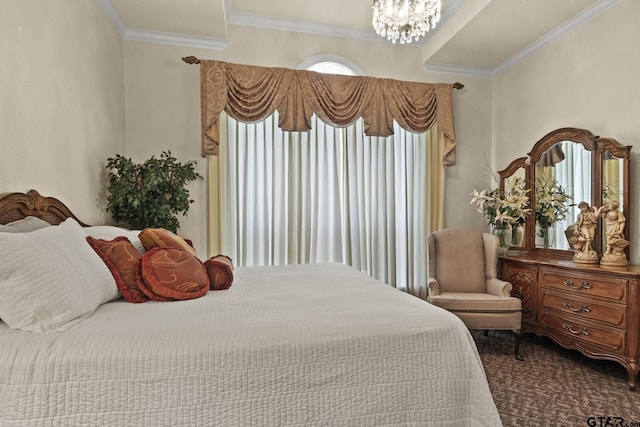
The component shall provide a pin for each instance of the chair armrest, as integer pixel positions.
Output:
(434, 287)
(499, 287)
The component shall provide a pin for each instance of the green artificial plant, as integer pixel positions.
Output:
(149, 194)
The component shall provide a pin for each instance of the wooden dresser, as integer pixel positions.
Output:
(592, 309)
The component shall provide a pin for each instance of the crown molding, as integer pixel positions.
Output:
(113, 16)
(140, 35)
(461, 70)
(174, 39)
(557, 33)
(148, 36)
(249, 20)
(553, 35)
(158, 37)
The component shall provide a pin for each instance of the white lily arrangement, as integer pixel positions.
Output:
(552, 202)
(503, 209)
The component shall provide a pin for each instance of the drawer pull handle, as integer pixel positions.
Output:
(584, 285)
(581, 331)
(570, 306)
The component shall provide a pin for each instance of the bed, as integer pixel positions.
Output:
(297, 345)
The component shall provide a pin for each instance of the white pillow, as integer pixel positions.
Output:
(109, 232)
(51, 278)
(24, 225)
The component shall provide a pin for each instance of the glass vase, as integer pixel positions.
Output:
(503, 233)
(545, 236)
(517, 237)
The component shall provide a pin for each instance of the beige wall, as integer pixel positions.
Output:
(588, 79)
(70, 82)
(472, 111)
(163, 107)
(61, 100)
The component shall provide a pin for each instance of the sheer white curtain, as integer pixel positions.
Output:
(329, 195)
(571, 173)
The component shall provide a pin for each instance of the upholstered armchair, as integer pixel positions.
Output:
(463, 280)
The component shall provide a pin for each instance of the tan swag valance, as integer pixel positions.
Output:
(251, 93)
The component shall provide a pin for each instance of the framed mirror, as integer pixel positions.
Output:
(614, 172)
(565, 167)
(516, 175)
(563, 178)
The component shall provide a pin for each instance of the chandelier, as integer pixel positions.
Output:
(405, 20)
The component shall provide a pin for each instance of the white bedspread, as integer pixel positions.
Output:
(317, 345)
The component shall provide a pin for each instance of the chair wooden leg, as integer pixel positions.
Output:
(518, 339)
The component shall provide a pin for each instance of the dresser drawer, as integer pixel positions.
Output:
(585, 284)
(586, 308)
(585, 331)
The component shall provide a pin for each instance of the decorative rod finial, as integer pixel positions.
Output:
(190, 59)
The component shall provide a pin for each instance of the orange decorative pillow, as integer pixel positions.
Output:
(161, 238)
(123, 259)
(220, 272)
(167, 274)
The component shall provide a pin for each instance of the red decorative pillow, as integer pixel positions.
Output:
(146, 289)
(167, 274)
(161, 238)
(123, 259)
(220, 272)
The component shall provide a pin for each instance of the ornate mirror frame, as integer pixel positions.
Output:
(600, 149)
(514, 169)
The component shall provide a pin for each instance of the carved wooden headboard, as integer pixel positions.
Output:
(15, 206)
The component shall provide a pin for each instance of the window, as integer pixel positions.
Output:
(327, 195)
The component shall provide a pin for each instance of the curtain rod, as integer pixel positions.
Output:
(194, 60)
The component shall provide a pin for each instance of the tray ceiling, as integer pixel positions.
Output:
(479, 37)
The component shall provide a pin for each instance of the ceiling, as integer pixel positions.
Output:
(474, 37)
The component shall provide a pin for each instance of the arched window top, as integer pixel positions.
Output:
(331, 64)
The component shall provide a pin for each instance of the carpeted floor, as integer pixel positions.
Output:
(555, 386)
